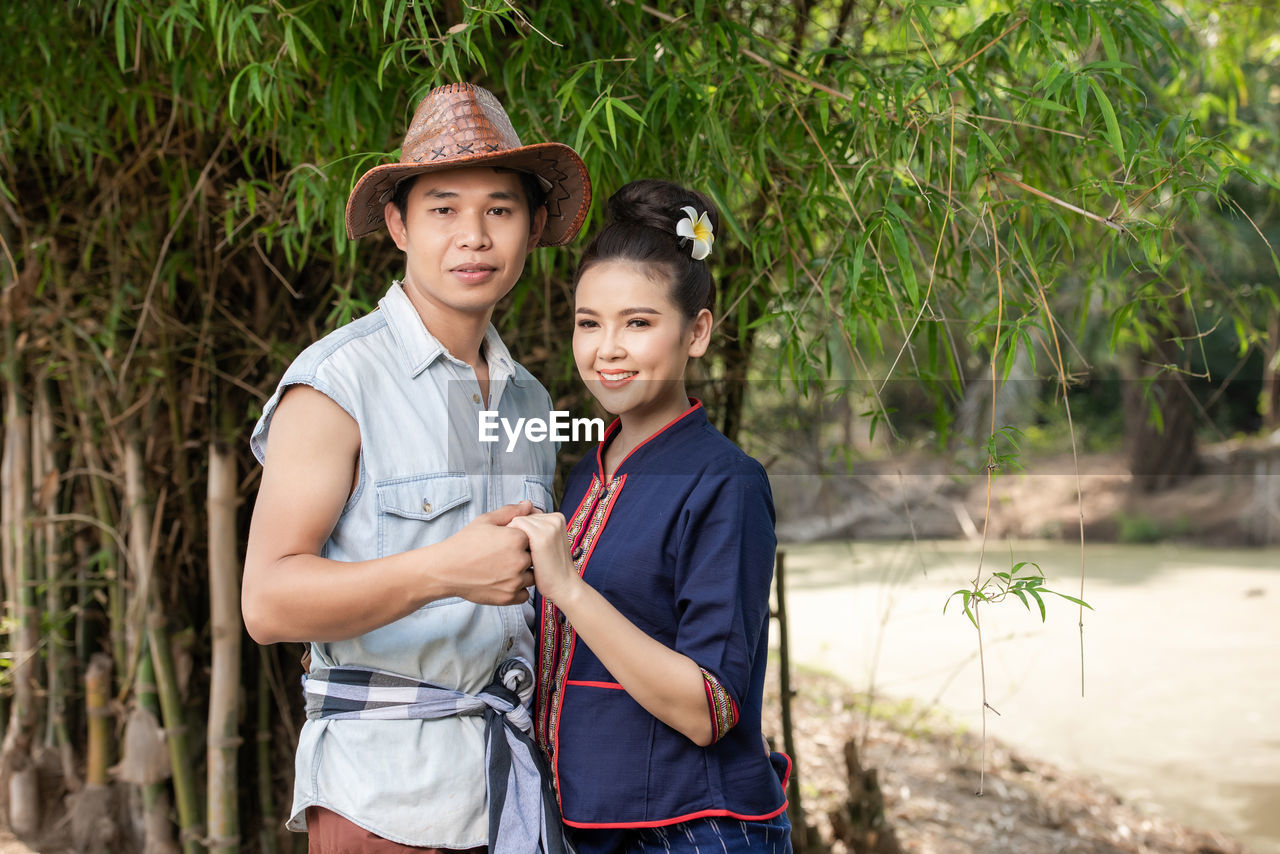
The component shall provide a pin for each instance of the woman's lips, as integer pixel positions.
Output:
(615, 379)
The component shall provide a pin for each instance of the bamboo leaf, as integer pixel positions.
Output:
(1109, 116)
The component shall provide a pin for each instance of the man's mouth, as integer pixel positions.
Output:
(472, 272)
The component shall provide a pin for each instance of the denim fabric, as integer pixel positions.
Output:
(423, 475)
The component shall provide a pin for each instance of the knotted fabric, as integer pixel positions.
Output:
(523, 815)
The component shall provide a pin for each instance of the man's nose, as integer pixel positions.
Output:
(473, 231)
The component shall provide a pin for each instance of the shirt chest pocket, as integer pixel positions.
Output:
(418, 511)
(536, 491)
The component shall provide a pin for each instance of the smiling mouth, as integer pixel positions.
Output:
(614, 379)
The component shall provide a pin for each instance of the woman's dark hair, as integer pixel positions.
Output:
(641, 228)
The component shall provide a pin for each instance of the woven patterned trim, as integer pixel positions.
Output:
(724, 712)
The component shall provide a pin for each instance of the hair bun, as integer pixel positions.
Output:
(657, 204)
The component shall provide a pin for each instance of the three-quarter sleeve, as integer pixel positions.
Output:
(724, 568)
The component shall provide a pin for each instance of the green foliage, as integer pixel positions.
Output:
(1024, 581)
(912, 191)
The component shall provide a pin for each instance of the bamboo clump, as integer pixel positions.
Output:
(157, 648)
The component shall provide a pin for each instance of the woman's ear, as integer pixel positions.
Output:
(700, 333)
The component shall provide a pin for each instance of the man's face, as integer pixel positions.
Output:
(465, 235)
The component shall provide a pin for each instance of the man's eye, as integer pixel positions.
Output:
(500, 211)
(441, 210)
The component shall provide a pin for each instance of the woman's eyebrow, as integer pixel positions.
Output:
(640, 309)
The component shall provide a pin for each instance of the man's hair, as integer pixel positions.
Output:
(534, 195)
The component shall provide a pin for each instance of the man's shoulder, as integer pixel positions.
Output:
(322, 351)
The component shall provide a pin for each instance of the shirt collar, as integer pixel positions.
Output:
(694, 416)
(419, 348)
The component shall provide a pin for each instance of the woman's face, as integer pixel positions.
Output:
(631, 343)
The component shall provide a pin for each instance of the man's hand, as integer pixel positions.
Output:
(488, 561)
(553, 568)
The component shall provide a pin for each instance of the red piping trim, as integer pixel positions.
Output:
(573, 644)
(542, 617)
(614, 686)
(696, 404)
(786, 777)
(662, 822)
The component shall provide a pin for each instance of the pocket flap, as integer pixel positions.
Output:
(423, 497)
(537, 492)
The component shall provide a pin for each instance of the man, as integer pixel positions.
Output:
(380, 531)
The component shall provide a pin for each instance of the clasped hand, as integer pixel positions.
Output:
(553, 569)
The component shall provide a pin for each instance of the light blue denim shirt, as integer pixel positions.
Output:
(424, 473)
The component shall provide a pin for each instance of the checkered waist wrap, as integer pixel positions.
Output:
(523, 813)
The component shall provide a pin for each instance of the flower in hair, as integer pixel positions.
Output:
(697, 227)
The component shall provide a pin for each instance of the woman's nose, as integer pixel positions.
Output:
(610, 345)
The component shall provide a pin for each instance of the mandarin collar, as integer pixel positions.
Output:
(692, 417)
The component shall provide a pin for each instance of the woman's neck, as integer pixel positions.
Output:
(635, 430)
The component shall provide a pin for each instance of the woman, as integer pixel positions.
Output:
(654, 610)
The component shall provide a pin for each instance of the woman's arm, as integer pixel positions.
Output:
(667, 684)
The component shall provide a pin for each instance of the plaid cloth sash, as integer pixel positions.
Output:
(523, 814)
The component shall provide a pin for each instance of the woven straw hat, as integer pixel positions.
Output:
(460, 124)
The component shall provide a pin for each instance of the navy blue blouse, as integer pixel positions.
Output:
(681, 541)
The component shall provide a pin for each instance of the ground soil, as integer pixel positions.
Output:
(930, 777)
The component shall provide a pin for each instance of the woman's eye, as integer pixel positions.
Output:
(586, 324)
(637, 321)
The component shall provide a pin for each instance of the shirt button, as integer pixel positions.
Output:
(476, 398)
(510, 643)
(577, 553)
(426, 506)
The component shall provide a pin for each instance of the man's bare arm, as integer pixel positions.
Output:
(290, 593)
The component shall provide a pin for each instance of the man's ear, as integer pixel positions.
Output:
(700, 329)
(536, 226)
(395, 224)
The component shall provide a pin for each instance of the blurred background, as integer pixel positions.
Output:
(996, 286)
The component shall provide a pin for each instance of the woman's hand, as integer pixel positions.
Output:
(666, 683)
(553, 570)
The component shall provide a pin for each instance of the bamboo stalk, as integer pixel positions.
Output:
(160, 654)
(89, 442)
(45, 483)
(225, 620)
(97, 693)
(155, 798)
(266, 803)
(92, 824)
(19, 737)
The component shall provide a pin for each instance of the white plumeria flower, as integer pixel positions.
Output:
(697, 228)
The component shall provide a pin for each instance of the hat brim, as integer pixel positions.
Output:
(568, 197)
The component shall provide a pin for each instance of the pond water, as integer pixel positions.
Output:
(1181, 658)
